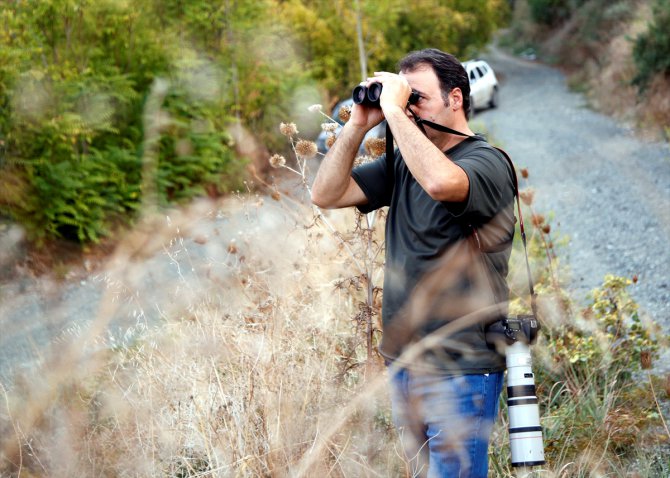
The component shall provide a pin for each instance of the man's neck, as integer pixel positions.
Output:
(446, 141)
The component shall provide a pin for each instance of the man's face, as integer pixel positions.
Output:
(431, 105)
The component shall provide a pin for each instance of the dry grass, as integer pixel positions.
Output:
(255, 372)
(262, 363)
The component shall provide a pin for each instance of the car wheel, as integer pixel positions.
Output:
(495, 100)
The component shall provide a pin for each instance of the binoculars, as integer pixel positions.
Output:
(369, 95)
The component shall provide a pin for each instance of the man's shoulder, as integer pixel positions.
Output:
(472, 145)
(478, 149)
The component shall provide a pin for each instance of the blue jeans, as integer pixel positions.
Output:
(445, 421)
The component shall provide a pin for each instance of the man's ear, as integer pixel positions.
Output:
(456, 98)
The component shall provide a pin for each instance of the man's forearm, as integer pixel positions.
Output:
(334, 174)
(439, 177)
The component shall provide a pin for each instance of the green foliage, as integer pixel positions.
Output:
(76, 75)
(589, 379)
(74, 83)
(610, 342)
(549, 12)
(651, 51)
(194, 150)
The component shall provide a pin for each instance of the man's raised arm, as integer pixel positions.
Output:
(333, 186)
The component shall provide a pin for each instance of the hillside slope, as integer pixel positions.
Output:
(594, 47)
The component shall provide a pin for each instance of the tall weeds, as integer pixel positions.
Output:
(264, 361)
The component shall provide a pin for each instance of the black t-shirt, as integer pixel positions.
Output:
(433, 275)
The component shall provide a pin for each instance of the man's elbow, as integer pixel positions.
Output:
(320, 201)
(447, 192)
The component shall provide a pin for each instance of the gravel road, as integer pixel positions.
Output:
(608, 189)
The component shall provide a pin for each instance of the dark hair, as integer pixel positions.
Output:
(450, 72)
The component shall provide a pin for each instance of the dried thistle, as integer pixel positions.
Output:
(315, 108)
(344, 113)
(329, 127)
(537, 220)
(330, 140)
(546, 228)
(375, 146)
(232, 247)
(527, 196)
(277, 161)
(645, 359)
(362, 160)
(306, 149)
(288, 129)
(635, 278)
(524, 173)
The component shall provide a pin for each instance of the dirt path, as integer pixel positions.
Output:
(609, 191)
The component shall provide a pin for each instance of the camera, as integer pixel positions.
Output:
(512, 329)
(369, 95)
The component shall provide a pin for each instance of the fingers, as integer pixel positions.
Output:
(379, 77)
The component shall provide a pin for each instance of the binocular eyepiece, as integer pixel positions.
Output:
(369, 95)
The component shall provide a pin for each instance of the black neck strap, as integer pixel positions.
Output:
(420, 122)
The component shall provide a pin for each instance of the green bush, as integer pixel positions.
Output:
(75, 84)
(651, 51)
(76, 78)
(194, 151)
(549, 12)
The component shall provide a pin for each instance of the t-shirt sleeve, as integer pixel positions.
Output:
(373, 180)
(491, 186)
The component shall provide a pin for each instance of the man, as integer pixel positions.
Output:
(449, 233)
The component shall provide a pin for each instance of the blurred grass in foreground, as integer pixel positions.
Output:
(261, 367)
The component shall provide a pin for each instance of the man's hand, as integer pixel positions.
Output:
(365, 117)
(395, 91)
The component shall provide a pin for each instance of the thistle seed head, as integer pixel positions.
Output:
(329, 127)
(362, 159)
(277, 161)
(375, 146)
(546, 228)
(330, 140)
(288, 129)
(527, 196)
(315, 108)
(306, 149)
(232, 247)
(524, 173)
(344, 113)
(537, 220)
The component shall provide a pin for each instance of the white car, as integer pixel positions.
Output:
(483, 85)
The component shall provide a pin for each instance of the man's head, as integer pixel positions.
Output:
(449, 71)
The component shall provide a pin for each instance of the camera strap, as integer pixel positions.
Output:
(420, 122)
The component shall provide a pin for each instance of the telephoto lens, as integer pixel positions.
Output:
(525, 432)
